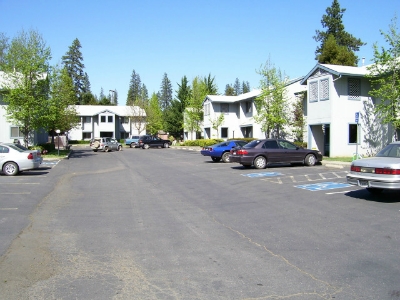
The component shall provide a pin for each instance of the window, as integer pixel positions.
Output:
(207, 109)
(270, 145)
(353, 133)
(102, 119)
(16, 132)
(4, 149)
(225, 108)
(224, 132)
(86, 135)
(87, 119)
(354, 88)
(324, 89)
(313, 86)
(248, 107)
(125, 120)
(110, 119)
(319, 90)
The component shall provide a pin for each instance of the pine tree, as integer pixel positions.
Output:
(165, 93)
(237, 87)
(135, 86)
(229, 90)
(332, 21)
(184, 92)
(73, 62)
(245, 87)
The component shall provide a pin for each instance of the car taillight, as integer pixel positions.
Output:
(387, 171)
(242, 152)
(30, 156)
(355, 169)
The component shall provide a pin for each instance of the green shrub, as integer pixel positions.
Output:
(75, 142)
(300, 144)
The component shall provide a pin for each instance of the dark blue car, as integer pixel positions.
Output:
(221, 150)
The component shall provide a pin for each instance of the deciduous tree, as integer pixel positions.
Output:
(385, 77)
(271, 105)
(27, 88)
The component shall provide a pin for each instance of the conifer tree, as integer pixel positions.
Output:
(332, 21)
(73, 62)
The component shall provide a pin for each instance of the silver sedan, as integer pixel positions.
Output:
(16, 158)
(377, 173)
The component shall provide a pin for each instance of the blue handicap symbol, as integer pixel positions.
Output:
(323, 186)
(263, 174)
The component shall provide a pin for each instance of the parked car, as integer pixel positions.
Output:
(260, 153)
(377, 173)
(147, 141)
(105, 144)
(132, 141)
(221, 150)
(16, 158)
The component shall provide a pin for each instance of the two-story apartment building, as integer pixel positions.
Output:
(108, 121)
(239, 112)
(336, 106)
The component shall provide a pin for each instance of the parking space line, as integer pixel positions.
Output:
(9, 208)
(27, 183)
(341, 192)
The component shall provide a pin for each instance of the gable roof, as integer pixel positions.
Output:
(93, 110)
(232, 99)
(337, 70)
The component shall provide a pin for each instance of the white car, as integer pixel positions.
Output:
(16, 158)
(377, 173)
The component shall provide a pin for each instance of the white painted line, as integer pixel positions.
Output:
(11, 208)
(342, 192)
(19, 183)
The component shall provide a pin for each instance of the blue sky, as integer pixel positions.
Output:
(227, 39)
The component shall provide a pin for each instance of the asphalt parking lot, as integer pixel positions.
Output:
(172, 224)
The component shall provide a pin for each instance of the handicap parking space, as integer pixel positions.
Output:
(305, 178)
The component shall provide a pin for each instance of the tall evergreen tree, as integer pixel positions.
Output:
(229, 90)
(245, 87)
(332, 21)
(210, 85)
(73, 62)
(334, 54)
(237, 87)
(184, 92)
(135, 86)
(165, 93)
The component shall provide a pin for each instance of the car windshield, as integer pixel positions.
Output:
(252, 144)
(392, 150)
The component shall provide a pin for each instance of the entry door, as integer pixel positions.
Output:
(327, 138)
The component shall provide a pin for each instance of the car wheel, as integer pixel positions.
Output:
(132, 145)
(260, 162)
(106, 149)
(215, 159)
(120, 148)
(225, 157)
(146, 146)
(94, 150)
(166, 145)
(310, 160)
(374, 191)
(246, 166)
(10, 169)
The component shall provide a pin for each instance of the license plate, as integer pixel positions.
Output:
(363, 183)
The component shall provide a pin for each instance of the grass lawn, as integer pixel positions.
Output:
(345, 159)
(54, 154)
